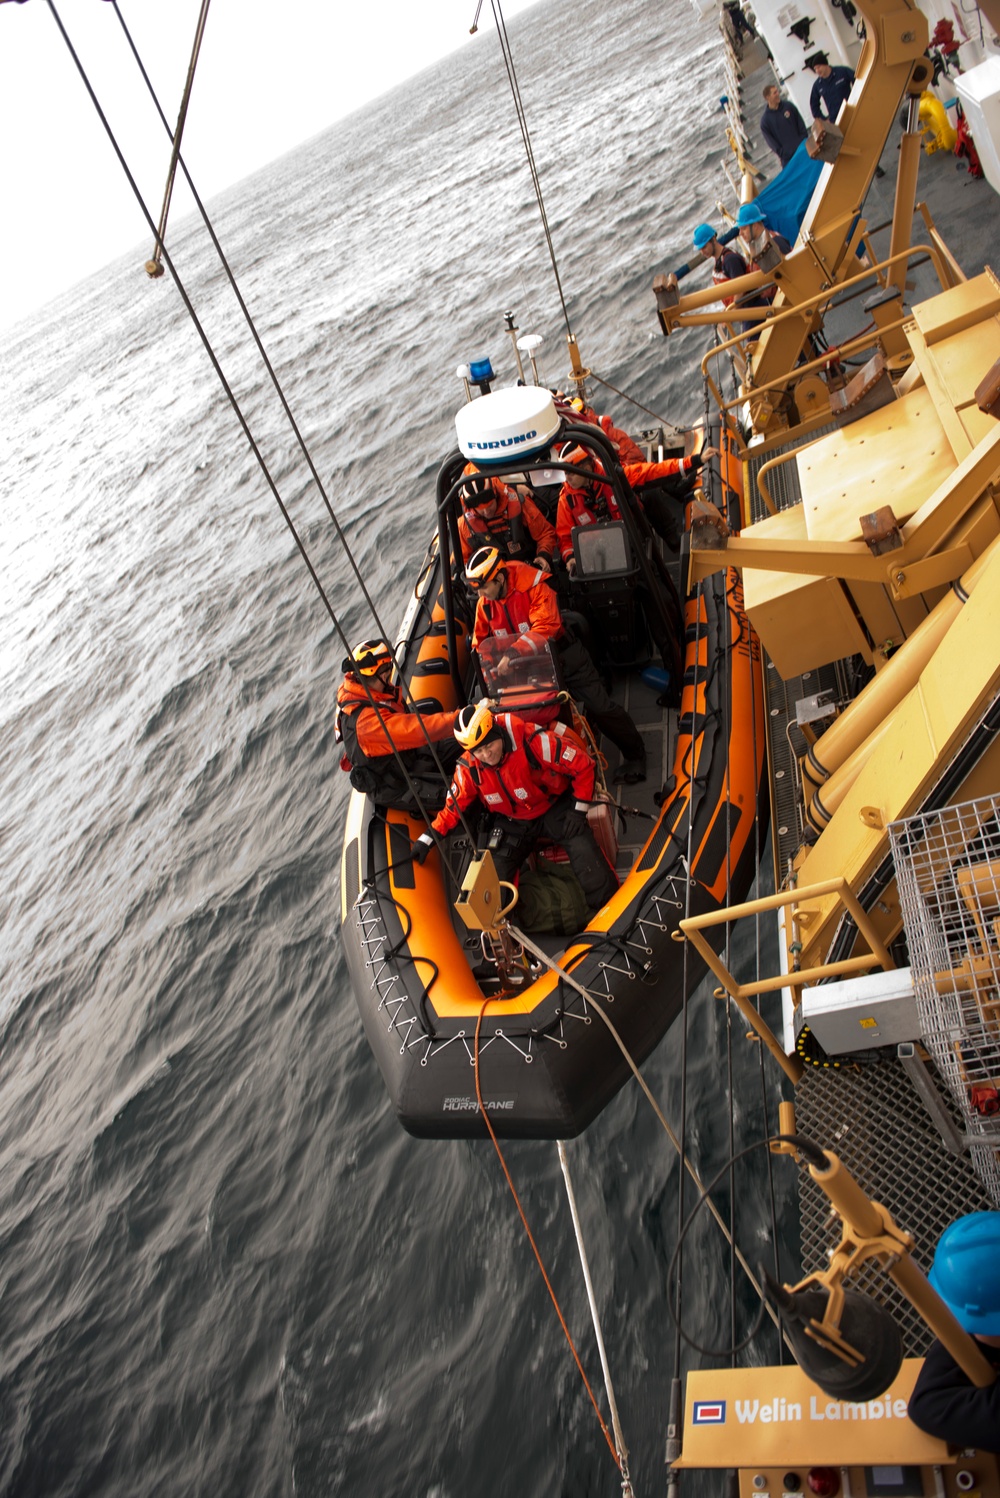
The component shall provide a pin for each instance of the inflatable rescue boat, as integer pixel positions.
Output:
(546, 1063)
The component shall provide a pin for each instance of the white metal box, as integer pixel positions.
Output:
(858, 1014)
(979, 92)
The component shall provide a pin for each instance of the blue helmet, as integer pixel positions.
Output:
(703, 235)
(966, 1272)
(749, 214)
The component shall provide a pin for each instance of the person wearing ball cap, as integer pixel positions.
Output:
(966, 1275)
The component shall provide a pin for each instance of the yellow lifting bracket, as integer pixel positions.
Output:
(482, 906)
(693, 926)
(869, 1232)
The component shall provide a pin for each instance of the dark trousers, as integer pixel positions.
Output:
(581, 679)
(568, 827)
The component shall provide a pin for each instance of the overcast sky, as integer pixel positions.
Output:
(270, 76)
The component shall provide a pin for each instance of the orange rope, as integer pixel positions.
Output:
(534, 1245)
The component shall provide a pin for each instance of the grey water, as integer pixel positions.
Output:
(224, 1269)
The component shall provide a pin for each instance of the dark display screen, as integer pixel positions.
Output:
(894, 1482)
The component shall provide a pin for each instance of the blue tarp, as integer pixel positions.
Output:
(784, 201)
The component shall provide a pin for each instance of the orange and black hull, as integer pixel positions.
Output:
(547, 1065)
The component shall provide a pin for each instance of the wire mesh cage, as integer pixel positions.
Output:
(948, 874)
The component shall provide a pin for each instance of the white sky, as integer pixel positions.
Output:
(270, 75)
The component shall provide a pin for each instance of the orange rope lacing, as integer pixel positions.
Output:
(534, 1245)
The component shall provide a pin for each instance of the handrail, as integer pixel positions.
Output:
(800, 310)
(692, 926)
(762, 488)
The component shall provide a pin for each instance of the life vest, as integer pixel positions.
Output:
(539, 766)
(505, 530)
(597, 502)
(719, 278)
(376, 775)
(529, 606)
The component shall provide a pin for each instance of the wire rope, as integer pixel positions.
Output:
(531, 1239)
(596, 1320)
(756, 685)
(226, 386)
(593, 1000)
(522, 121)
(279, 391)
(631, 400)
(153, 266)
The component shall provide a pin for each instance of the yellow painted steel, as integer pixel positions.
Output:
(870, 710)
(777, 1417)
(815, 592)
(891, 66)
(927, 728)
(803, 901)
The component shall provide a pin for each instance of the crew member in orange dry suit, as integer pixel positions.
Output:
(534, 782)
(518, 602)
(495, 516)
(574, 408)
(377, 733)
(586, 497)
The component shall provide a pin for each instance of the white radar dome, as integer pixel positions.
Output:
(506, 423)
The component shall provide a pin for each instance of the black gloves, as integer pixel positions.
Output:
(422, 847)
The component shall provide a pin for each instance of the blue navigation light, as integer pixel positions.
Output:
(480, 370)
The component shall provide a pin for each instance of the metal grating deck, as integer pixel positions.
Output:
(871, 1117)
(948, 872)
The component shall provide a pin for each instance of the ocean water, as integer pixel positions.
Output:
(224, 1269)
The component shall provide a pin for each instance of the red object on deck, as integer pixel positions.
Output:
(984, 1099)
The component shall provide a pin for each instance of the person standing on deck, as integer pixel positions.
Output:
(831, 89)
(966, 1275)
(518, 603)
(781, 125)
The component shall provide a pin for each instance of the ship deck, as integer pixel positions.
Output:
(866, 1107)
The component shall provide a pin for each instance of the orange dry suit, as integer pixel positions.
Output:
(528, 608)
(372, 739)
(518, 529)
(597, 501)
(528, 614)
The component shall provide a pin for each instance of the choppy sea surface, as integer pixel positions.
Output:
(224, 1269)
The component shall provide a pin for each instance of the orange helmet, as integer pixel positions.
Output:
(474, 724)
(483, 565)
(369, 658)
